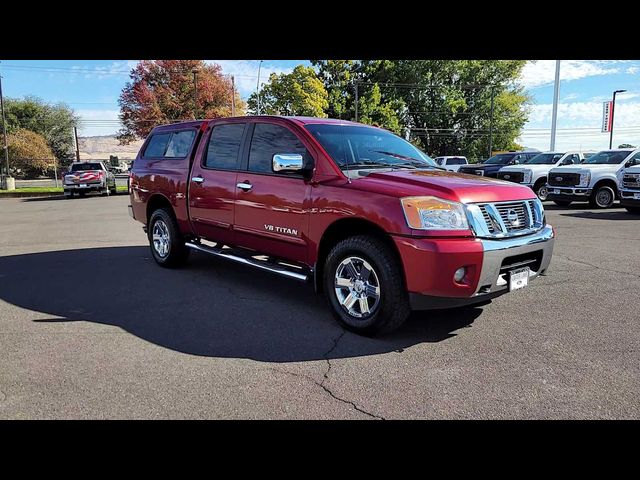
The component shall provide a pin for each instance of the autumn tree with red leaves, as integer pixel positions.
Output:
(163, 91)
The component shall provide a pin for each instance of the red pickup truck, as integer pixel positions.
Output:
(377, 226)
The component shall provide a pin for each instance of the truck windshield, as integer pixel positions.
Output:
(85, 166)
(608, 157)
(545, 159)
(369, 147)
(500, 159)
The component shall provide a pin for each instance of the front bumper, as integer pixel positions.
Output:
(429, 267)
(628, 198)
(575, 194)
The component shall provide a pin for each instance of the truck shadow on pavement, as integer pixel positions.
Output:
(210, 307)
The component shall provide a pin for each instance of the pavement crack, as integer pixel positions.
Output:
(598, 267)
(326, 377)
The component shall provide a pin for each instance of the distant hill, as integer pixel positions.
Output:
(94, 148)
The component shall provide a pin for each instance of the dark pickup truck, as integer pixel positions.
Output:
(363, 214)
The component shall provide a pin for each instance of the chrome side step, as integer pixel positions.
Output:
(271, 267)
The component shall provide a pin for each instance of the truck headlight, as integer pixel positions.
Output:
(585, 178)
(432, 213)
(527, 175)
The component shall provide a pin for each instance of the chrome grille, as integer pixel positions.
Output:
(631, 181)
(506, 219)
(514, 215)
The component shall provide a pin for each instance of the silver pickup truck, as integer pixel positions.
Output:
(86, 177)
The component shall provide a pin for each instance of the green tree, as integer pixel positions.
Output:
(29, 153)
(300, 92)
(54, 122)
(626, 145)
(163, 91)
(448, 102)
(340, 78)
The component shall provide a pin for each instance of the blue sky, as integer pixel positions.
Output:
(92, 87)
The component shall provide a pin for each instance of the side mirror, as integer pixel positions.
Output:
(287, 162)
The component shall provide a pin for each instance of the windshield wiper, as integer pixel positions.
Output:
(413, 161)
(378, 165)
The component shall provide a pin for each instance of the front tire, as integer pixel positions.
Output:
(562, 203)
(541, 191)
(364, 286)
(165, 240)
(603, 197)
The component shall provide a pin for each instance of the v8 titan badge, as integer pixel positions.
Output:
(519, 278)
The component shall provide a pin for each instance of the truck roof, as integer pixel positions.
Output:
(299, 120)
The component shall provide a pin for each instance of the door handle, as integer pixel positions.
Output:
(197, 179)
(246, 186)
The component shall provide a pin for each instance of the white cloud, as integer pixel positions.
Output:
(99, 72)
(579, 125)
(542, 72)
(246, 73)
(633, 70)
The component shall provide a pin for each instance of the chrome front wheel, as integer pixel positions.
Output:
(542, 193)
(357, 287)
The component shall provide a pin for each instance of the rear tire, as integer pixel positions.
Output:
(603, 197)
(633, 210)
(562, 203)
(165, 240)
(371, 297)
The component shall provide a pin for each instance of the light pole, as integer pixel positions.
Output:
(554, 114)
(258, 86)
(613, 111)
(4, 131)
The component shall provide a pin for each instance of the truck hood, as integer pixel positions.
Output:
(521, 168)
(585, 166)
(448, 185)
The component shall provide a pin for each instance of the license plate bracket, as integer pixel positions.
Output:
(519, 278)
(636, 196)
(556, 191)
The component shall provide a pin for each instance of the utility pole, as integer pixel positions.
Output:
(491, 124)
(233, 96)
(75, 134)
(258, 87)
(356, 100)
(613, 111)
(195, 93)
(4, 131)
(554, 116)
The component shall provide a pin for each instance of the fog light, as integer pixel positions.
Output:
(459, 275)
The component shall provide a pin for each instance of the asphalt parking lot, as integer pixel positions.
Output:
(90, 327)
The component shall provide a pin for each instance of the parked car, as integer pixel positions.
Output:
(362, 213)
(491, 166)
(630, 187)
(533, 172)
(595, 180)
(451, 163)
(84, 177)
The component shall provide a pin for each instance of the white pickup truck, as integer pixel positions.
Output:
(595, 180)
(630, 187)
(533, 172)
(451, 163)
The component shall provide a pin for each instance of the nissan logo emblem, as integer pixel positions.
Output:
(512, 216)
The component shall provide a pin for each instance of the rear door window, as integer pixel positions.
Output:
(170, 145)
(224, 146)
